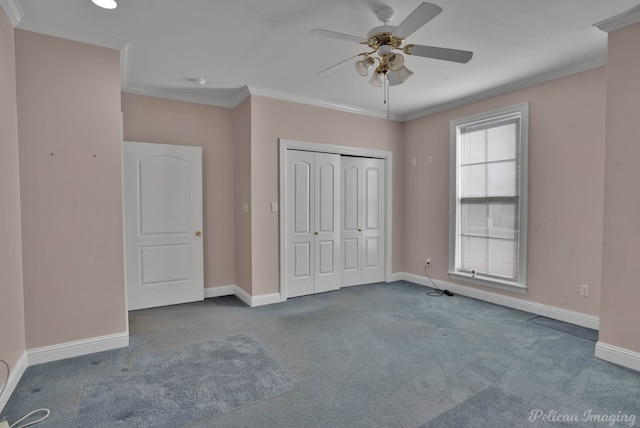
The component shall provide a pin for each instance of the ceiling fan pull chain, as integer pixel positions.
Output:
(385, 86)
(386, 93)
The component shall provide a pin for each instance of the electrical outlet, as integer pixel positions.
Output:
(427, 262)
(584, 290)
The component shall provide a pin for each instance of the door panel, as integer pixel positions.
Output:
(372, 198)
(327, 207)
(350, 252)
(162, 190)
(301, 253)
(326, 255)
(165, 263)
(371, 251)
(165, 183)
(351, 236)
(362, 239)
(302, 197)
(302, 260)
(374, 231)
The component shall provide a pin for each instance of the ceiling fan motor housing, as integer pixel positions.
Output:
(383, 36)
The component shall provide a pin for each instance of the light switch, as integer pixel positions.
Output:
(429, 160)
(274, 207)
(245, 207)
(414, 162)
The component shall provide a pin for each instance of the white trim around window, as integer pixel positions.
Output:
(459, 266)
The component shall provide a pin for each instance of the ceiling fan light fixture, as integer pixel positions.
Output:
(105, 4)
(363, 66)
(377, 79)
(404, 73)
(396, 62)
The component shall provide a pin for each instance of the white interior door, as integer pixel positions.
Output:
(363, 221)
(163, 224)
(327, 220)
(313, 232)
(351, 237)
(373, 225)
(300, 233)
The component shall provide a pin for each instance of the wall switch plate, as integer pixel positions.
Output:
(584, 290)
(245, 207)
(274, 207)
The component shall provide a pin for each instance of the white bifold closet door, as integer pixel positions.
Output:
(362, 220)
(313, 235)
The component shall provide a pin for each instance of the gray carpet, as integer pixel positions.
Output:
(490, 407)
(378, 355)
(184, 384)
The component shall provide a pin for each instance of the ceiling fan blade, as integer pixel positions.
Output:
(454, 55)
(416, 19)
(326, 71)
(338, 36)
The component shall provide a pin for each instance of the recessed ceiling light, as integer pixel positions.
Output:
(106, 4)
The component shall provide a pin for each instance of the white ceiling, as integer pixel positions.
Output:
(264, 45)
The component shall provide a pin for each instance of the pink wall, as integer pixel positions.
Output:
(619, 311)
(12, 330)
(242, 187)
(71, 191)
(273, 119)
(157, 120)
(566, 186)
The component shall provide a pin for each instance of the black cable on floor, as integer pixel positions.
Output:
(437, 292)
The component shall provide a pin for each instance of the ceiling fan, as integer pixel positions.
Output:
(386, 39)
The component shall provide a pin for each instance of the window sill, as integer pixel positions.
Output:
(489, 282)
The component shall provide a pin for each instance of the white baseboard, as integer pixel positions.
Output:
(12, 382)
(76, 348)
(560, 314)
(397, 276)
(223, 290)
(265, 299)
(621, 356)
(246, 298)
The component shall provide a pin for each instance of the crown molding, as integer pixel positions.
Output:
(509, 87)
(316, 102)
(125, 56)
(619, 21)
(243, 95)
(13, 10)
(132, 88)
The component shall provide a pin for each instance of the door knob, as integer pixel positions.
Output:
(316, 233)
(359, 230)
(198, 233)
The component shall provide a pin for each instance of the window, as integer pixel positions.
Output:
(489, 199)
